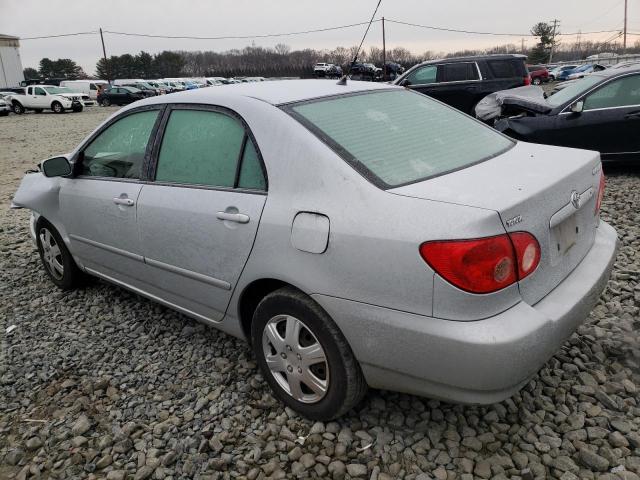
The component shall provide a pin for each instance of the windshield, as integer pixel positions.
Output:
(131, 89)
(396, 137)
(56, 90)
(563, 96)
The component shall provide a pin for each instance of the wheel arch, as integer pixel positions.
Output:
(251, 296)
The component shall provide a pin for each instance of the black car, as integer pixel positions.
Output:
(598, 112)
(119, 96)
(363, 71)
(463, 81)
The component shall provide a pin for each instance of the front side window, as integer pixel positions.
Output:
(40, 91)
(200, 148)
(623, 92)
(573, 90)
(398, 137)
(460, 72)
(119, 150)
(423, 75)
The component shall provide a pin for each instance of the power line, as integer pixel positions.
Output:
(431, 27)
(240, 37)
(61, 35)
(304, 32)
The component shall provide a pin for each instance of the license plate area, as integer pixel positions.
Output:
(563, 237)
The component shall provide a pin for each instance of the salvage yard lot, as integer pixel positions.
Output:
(100, 383)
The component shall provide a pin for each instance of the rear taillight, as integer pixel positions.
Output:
(527, 80)
(483, 265)
(600, 193)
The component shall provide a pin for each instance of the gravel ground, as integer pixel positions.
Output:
(100, 383)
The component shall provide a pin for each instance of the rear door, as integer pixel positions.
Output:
(199, 217)
(458, 85)
(609, 122)
(98, 203)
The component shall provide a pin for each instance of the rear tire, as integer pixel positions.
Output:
(56, 259)
(18, 109)
(57, 107)
(536, 81)
(304, 357)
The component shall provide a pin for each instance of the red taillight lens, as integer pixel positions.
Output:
(600, 192)
(483, 265)
(527, 80)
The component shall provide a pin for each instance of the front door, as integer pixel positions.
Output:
(199, 218)
(609, 122)
(99, 203)
(39, 98)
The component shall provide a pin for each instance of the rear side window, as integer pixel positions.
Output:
(118, 151)
(251, 174)
(504, 68)
(398, 137)
(459, 72)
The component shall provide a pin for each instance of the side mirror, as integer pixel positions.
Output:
(577, 107)
(405, 83)
(56, 167)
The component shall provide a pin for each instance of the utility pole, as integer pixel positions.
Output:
(553, 38)
(624, 41)
(104, 55)
(522, 45)
(384, 54)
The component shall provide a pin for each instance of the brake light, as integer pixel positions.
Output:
(600, 193)
(527, 80)
(483, 265)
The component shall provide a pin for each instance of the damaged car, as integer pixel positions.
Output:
(344, 230)
(598, 112)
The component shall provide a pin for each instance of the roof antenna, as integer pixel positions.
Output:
(343, 80)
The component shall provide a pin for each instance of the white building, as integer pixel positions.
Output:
(10, 64)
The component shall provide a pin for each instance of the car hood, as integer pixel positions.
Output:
(529, 98)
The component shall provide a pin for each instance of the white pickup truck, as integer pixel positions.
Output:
(45, 97)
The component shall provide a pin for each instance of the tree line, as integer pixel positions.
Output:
(282, 61)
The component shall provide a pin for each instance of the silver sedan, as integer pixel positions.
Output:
(357, 235)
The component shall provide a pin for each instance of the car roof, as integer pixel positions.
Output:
(610, 72)
(275, 92)
(475, 58)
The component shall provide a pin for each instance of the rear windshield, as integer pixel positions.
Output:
(397, 137)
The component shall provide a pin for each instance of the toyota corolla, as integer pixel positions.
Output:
(357, 235)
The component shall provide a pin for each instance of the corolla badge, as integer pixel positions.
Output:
(575, 199)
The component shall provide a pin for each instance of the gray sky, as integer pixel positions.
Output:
(26, 18)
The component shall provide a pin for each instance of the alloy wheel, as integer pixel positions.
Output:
(295, 358)
(51, 254)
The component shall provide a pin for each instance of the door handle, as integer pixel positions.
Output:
(127, 202)
(233, 217)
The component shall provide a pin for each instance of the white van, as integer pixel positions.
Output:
(88, 87)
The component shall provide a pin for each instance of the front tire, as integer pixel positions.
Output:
(105, 102)
(18, 109)
(536, 81)
(78, 109)
(55, 257)
(57, 107)
(304, 357)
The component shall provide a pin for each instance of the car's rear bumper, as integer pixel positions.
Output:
(481, 361)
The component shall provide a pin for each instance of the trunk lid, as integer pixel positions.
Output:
(550, 192)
